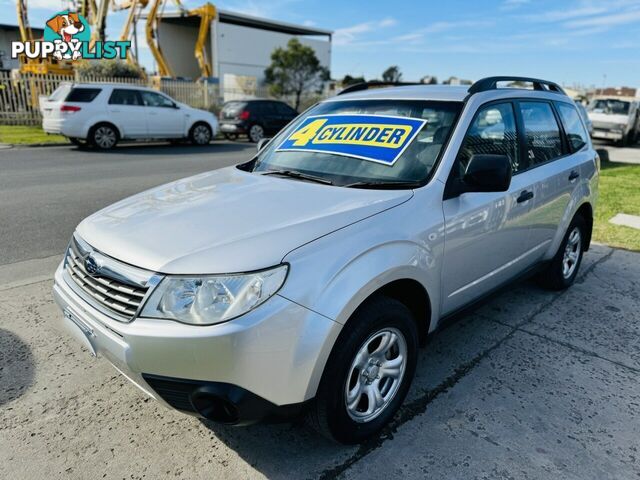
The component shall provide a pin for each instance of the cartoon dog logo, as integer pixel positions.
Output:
(67, 26)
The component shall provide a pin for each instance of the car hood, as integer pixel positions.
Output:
(227, 221)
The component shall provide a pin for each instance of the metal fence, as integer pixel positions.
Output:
(20, 93)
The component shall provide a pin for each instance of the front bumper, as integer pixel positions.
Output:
(275, 353)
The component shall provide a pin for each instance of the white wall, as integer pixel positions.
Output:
(236, 49)
(247, 51)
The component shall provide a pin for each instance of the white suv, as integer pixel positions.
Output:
(304, 279)
(103, 114)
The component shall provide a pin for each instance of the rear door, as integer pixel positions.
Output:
(270, 117)
(165, 119)
(285, 114)
(127, 111)
(486, 233)
(556, 162)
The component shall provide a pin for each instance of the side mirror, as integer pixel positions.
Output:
(487, 173)
(262, 143)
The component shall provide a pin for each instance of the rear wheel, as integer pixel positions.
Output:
(103, 136)
(200, 134)
(563, 269)
(368, 373)
(256, 133)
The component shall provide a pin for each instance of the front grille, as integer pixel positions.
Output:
(114, 295)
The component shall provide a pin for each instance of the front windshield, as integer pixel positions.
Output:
(401, 141)
(610, 106)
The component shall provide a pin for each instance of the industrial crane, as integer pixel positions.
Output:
(135, 7)
(39, 66)
(207, 14)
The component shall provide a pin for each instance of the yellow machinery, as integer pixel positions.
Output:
(135, 7)
(207, 14)
(39, 66)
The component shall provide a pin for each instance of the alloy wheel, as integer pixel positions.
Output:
(376, 374)
(256, 133)
(105, 137)
(572, 253)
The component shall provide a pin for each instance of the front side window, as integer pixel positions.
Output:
(341, 146)
(541, 132)
(572, 126)
(493, 132)
(152, 99)
(124, 97)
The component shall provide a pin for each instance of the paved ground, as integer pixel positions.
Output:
(533, 385)
(38, 184)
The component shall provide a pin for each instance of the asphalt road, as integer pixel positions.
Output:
(45, 192)
(532, 385)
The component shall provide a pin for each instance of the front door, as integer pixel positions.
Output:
(127, 112)
(486, 233)
(165, 119)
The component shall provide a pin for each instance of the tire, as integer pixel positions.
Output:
(103, 136)
(563, 269)
(200, 134)
(351, 373)
(231, 136)
(256, 133)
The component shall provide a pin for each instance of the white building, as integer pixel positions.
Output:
(241, 45)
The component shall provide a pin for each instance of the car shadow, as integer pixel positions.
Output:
(294, 450)
(144, 148)
(17, 367)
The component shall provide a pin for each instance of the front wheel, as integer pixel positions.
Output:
(563, 269)
(368, 373)
(200, 134)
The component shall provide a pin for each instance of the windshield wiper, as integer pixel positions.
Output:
(383, 184)
(299, 175)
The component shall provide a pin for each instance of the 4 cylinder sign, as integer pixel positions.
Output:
(67, 36)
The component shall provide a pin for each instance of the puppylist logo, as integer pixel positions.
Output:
(67, 36)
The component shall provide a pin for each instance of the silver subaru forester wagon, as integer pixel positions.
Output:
(303, 281)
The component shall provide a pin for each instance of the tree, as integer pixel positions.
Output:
(349, 80)
(392, 74)
(109, 69)
(294, 71)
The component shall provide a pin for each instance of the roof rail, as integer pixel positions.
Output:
(491, 83)
(373, 84)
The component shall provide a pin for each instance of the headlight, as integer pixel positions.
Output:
(206, 300)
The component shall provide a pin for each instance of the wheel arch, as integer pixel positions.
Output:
(586, 212)
(104, 122)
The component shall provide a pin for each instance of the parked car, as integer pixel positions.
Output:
(585, 117)
(615, 118)
(256, 119)
(104, 114)
(303, 280)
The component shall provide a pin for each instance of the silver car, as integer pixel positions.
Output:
(303, 281)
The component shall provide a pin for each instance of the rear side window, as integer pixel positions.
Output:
(493, 132)
(284, 109)
(541, 132)
(572, 126)
(83, 95)
(124, 97)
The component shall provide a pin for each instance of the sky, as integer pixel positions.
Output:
(573, 42)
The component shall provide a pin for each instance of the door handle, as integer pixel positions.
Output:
(524, 196)
(573, 175)
(153, 113)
